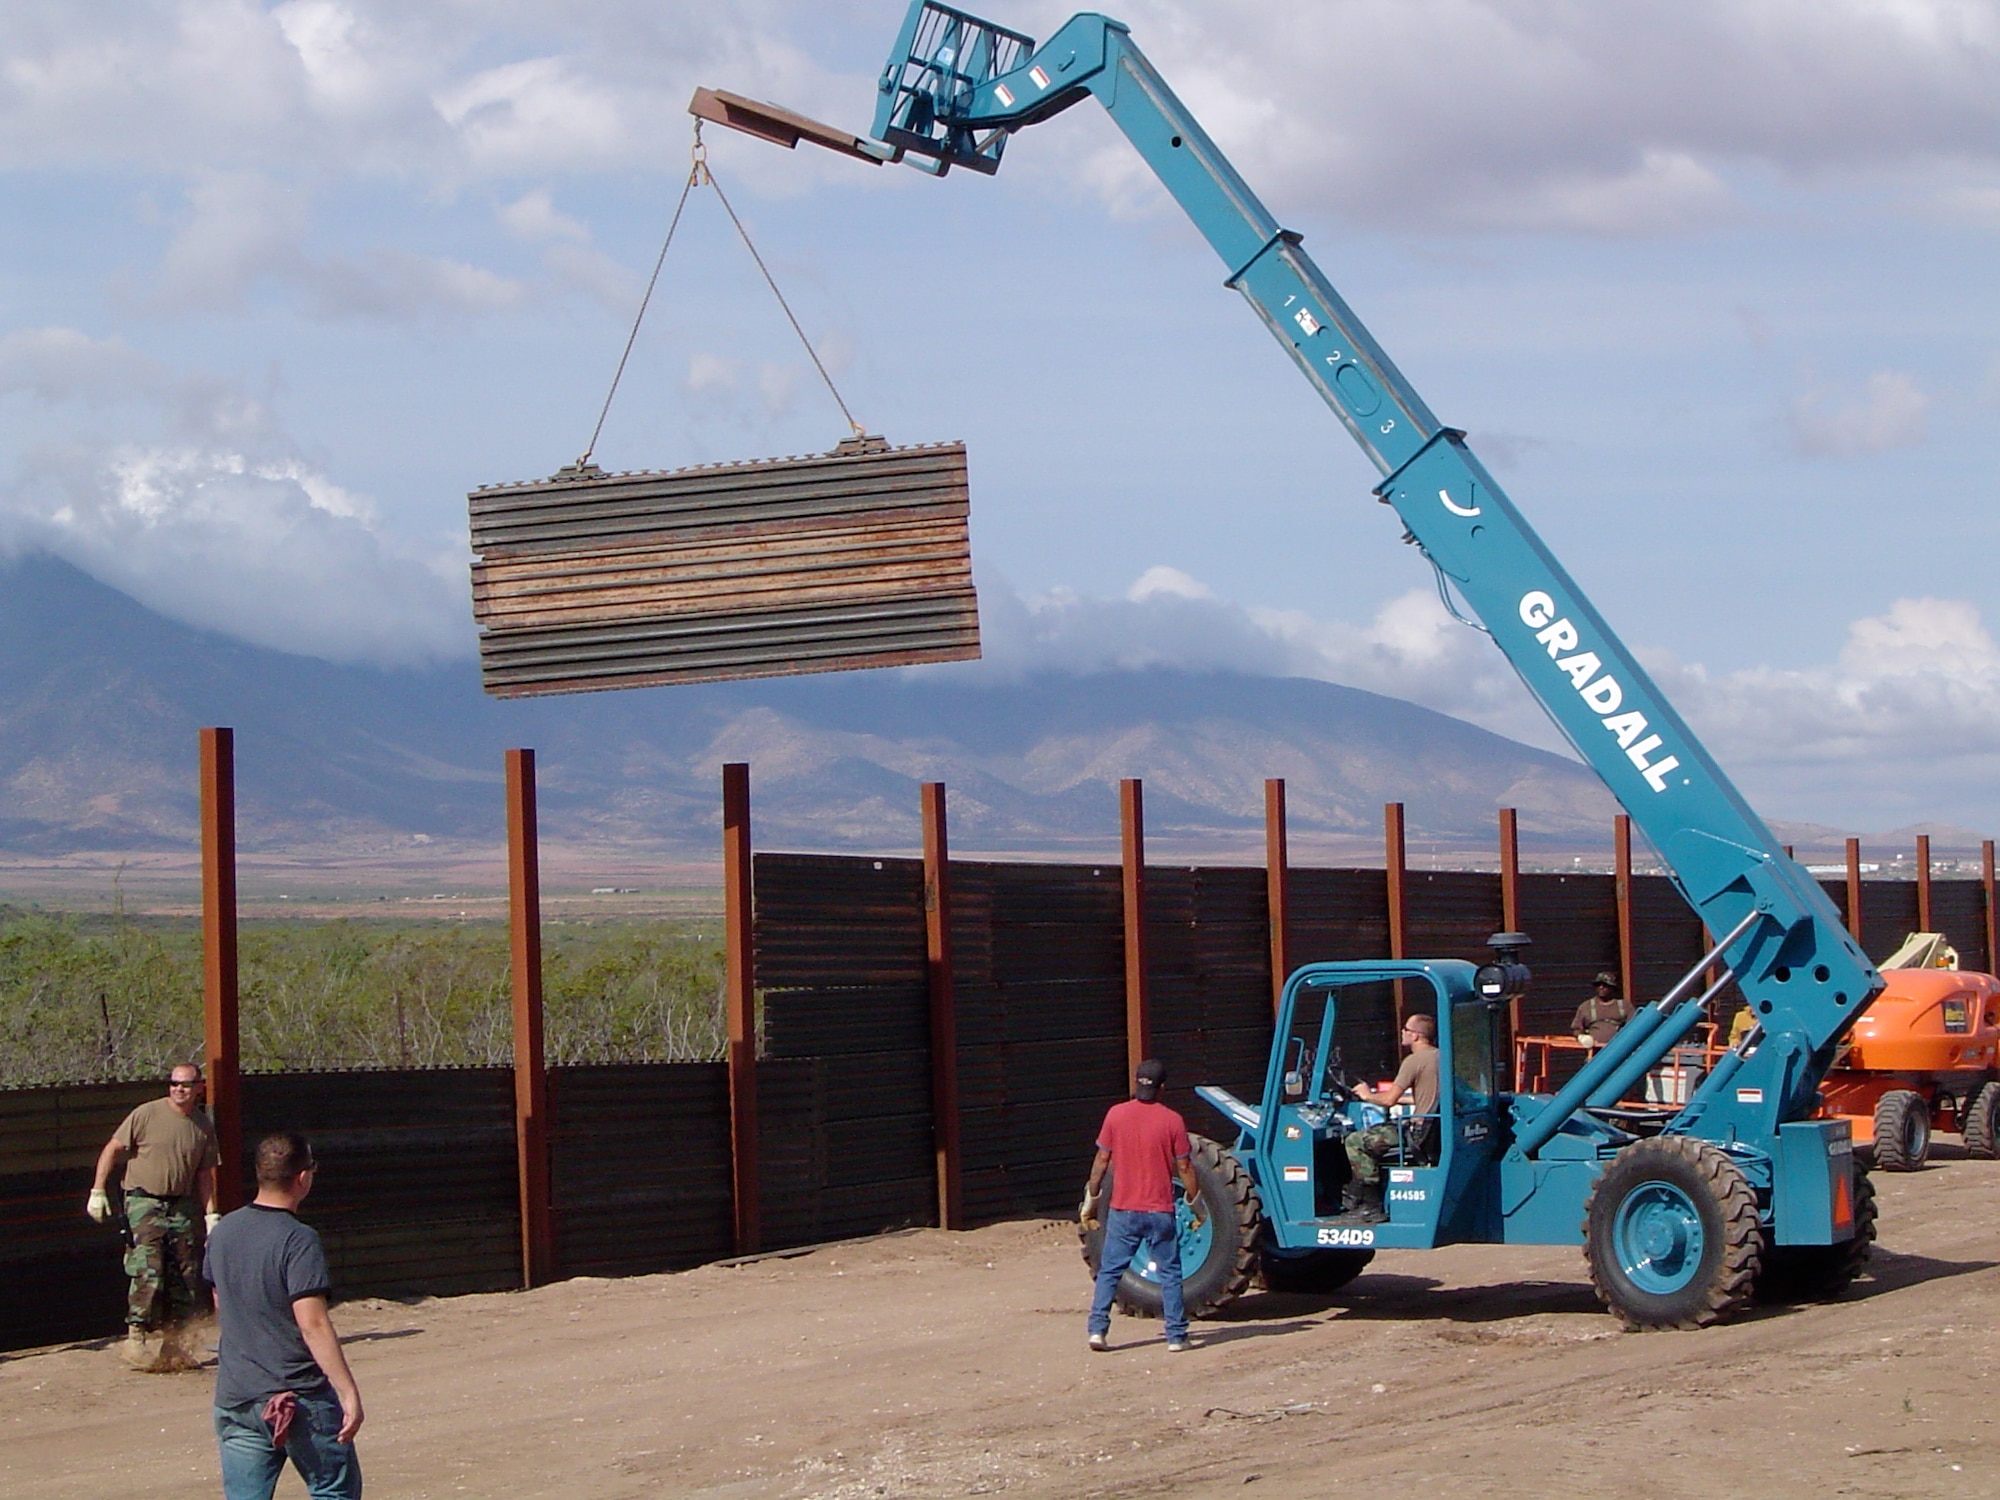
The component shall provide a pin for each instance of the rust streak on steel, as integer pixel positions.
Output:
(1277, 888)
(531, 1079)
(1395, 883)
(1510, 896)
(943, 1008)
(220, 994)
(1988, 905)
(1621, 839)
(1854, 889)
(1924, 883)
(741, 998)
(1138, 1002)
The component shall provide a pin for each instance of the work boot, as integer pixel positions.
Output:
(139, 1349)
(1368, 1206)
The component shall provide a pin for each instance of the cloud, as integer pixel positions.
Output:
(185, 493)
(1903, 723)
(1452, 114)
(1602, 119)
(242, 230)
(1887, 414)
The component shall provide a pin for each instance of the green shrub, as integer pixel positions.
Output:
(98, 998)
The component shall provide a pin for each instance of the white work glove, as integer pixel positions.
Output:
(1086, 1213)
(212, 1220)
(99, 1206)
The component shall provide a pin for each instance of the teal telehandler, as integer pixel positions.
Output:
(1684, 1214)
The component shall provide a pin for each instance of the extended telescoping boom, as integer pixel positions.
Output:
(954, 89)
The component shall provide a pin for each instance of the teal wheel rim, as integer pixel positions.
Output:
(1658, 1238)
(1195, 1247)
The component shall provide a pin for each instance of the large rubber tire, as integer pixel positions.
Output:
(1218, 1259)
(1820, 1273)
(1671, 1235)
(1312, 1271)
(1902, 1131)
(1982, 1123)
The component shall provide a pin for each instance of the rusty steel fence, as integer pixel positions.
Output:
(916, 1042)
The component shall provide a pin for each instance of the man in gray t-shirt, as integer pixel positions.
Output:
(282, 1386)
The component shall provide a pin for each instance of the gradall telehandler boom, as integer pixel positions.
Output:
(1682, 1216)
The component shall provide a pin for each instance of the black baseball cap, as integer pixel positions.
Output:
(1148, 1077)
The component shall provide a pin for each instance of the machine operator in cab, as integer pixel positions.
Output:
(1367, 1149)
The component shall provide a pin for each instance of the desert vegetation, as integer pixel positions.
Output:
(101, 998)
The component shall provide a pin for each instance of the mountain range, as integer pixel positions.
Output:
(100, 699)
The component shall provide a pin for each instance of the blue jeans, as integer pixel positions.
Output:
(250, 1465)
(1125, 1230)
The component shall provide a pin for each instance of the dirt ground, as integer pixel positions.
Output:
(930, 1364)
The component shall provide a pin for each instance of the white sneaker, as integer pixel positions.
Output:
(1099, 1342)
(1179, 1346)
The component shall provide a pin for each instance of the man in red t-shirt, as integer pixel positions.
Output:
(1144, 1145)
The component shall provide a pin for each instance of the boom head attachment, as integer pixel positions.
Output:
(942, 58)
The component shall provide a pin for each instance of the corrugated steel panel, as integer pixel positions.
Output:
(1667, 937)
(1958, 909)
(1451, 913)
(1573, 920)
(1888, 915)
(857, 558)
(621, 1212)
(832, 921)
(1338, 915)
(418, 1183)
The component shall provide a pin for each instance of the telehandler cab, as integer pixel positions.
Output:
(1684, 1213)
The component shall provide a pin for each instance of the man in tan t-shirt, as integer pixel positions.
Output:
(168, 1147)
(1418, 1078)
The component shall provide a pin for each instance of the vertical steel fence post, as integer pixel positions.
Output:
(1924, 883)
(1621, 840)
(740, 989)
(1395, 871)
(943, 1011)
(1277, 888)
(531, 1079)
(1854, 889)
(1138, 1005)
(1992, 913)
(1510, 921)
(219, 988)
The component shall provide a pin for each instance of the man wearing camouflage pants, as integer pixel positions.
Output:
(168, 1147)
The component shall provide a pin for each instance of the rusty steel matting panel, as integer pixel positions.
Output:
(857, 558)
(1958, 910)
(1888, 915)
(1573, 922)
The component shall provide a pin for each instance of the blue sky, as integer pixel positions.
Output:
(1710, 285)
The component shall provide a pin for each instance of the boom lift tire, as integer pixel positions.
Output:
(1902, 1131)
(1820, 1273)
(1982, 1123)
(1218, 1260)
(1671, 1235)
(1314, 1271)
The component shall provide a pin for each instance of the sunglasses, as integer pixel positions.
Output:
(183, 1083)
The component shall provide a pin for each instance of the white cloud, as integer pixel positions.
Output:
(1615, 119)
(1903, 724)
(1163, 582)
(184, 493)
(1417, 113)
(1887, 414)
